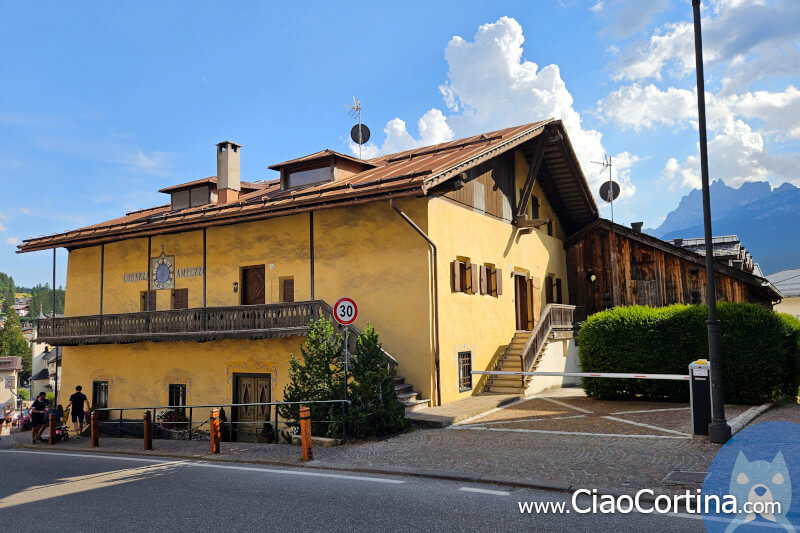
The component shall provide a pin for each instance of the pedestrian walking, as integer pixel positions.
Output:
(76, 408)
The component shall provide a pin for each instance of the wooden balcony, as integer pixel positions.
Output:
(198, 324)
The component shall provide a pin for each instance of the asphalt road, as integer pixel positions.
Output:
(42, 490)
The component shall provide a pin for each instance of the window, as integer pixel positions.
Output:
(144, 301)
(177, 395)
(287, 290)
(552, 290)
(465, 276)
(199, 196)
(308, 176)
(464, 371)
(491, 280)
(99, 394)
(180, 298)
(180, 200)
(534, 207)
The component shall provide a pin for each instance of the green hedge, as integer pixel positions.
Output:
(760, 351)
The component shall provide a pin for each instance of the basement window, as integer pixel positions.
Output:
(464, 371)
(99, 394)
(308, 176)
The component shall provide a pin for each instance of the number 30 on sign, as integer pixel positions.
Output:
(345, 311)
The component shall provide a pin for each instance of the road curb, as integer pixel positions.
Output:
(446, 475)
(741, 421)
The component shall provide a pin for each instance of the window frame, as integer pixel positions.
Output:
(464, 360)
(100, 387)
(287, 175)
(180, 393)
(282, 289)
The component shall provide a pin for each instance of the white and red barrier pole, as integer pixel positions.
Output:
(672, 377)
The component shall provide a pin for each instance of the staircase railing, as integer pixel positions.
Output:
(554, 317)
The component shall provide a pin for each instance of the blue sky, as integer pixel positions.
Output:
(101, 105)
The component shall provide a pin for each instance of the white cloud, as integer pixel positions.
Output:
(626, 18)
(598, 7)
(637, 107)
(3, 228)
(25, 211)
(491, 86)
(13, 241)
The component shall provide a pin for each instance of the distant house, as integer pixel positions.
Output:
(788, 282)
(728, 249)
(10, 368)
(612, 265)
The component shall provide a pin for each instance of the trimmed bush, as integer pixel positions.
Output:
(760, 351)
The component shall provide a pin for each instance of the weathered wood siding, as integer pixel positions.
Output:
(631, 272)
(489, 187)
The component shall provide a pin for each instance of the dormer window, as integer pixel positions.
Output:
(308, 176)
(193, 197)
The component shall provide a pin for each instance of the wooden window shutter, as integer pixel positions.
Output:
(485, 281)
(498, 279)
(475, 278)
(530, 304)
(548, 289)
(288, 290)
(455, 267)
(180, 299)
(558, 291)
(152, 295)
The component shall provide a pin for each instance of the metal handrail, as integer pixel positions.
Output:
(555, 316)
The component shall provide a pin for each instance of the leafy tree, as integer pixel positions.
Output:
(13, 344)
(7, 290)
(42, 300)
(23, 393)
(318, 376)
(375, 409)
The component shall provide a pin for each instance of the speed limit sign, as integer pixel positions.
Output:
(345, 311)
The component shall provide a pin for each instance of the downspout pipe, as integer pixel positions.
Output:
(435, 295)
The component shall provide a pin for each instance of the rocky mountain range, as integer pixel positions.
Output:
(766, 220)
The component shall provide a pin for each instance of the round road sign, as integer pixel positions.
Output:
(345, 311)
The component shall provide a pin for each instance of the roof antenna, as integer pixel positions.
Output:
(609, 191)
(360, 132)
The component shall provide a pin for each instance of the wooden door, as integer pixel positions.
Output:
(253, 285)
(521, 300)
(251, 388)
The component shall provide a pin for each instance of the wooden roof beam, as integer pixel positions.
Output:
(534, 165)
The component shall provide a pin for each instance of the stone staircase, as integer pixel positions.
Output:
(511, 362)
(408, 396)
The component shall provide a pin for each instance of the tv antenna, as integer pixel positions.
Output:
(360, 132)
(609, 191)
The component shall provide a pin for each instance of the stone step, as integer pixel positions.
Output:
(417, 405)
(408, 396)
(401, 388)
(505, 389)
(399, 379)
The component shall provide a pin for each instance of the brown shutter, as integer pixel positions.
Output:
(475, 278)
(180, 299)
(498, 275)
(530, 304)
(558, 291)
(455, 267)
(485, 282)
(288, 290)
(548, 289)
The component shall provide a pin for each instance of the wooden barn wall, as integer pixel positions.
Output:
(630, 273)
(496, 176)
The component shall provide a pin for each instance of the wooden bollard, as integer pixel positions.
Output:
(215, 431)
(52, 425)
(148, 431)
(305, 433)
(94, 428)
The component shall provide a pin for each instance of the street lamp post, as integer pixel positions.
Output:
(718, 430)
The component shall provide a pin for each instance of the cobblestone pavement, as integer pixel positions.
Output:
(583, 461)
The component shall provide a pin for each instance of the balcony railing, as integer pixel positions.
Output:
(198, 324)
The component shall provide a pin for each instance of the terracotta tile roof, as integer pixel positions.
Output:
(408, 173)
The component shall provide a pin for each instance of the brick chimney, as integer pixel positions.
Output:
(228, 177)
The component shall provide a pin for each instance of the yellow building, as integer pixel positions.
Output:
(450, 251)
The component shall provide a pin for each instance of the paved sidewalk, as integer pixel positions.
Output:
(607, 463)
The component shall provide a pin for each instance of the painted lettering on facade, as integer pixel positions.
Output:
(190, 272)
(134, 276)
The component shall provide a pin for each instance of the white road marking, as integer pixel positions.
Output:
(651, 410)
(648, 426)
(210, 465)
(464, 428)
(485, 491)
(564, 404)
(521, 420)
(490, 411)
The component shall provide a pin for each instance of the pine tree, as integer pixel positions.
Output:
(319, 375)
(375, 409)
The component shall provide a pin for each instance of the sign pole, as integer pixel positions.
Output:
(346, 377)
